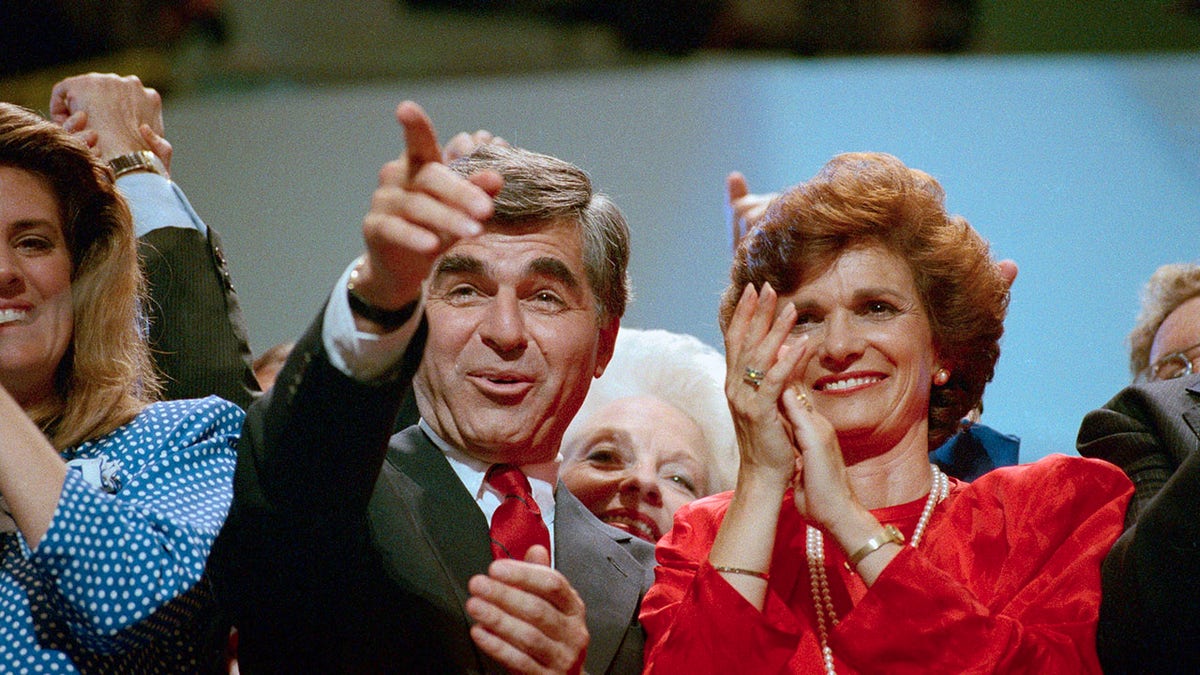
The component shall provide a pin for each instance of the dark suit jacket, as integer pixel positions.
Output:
(196, 332)
(342, 554)
(1150, 611)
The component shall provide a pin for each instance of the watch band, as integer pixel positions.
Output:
(142, 160)
(387, 319)
(890, 535)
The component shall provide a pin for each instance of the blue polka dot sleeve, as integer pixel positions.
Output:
(131, 533)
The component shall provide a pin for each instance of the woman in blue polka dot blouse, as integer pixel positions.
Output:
(110, 501)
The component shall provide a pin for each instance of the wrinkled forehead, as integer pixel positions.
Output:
(549, 249)
(1179, 331)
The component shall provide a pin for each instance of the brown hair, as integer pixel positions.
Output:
(540, 188)
(859, 199)
(1169, 287)
(106, 376)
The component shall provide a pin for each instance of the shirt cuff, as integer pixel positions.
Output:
(366, 357)
(156, 202)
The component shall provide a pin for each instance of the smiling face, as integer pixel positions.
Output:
(36, 318)
(635, 462)
(513, 342)
(874, 363)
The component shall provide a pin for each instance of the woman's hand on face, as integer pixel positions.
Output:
(822, 486)
(755, 355)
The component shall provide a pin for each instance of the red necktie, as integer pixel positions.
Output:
(517, 523)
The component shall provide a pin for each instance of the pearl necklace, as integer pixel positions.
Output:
(822, 600)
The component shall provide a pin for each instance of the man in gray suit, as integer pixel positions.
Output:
(1149, 616)
(494, 287)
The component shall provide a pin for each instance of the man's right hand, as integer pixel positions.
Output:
(420, 209)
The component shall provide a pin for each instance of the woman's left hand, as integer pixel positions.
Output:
(822, 486)
(823, 492)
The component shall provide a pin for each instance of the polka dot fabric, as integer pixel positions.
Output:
(115, 585)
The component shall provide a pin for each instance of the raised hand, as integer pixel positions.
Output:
(745, 209)
(462, 144)
(822, 487)
(759, 368)
(420, 209)
(528, 616)
(112, 114)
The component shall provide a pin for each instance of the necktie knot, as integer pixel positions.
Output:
(509, 481)
(517, 523)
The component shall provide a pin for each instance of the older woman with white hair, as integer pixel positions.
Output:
(653, 434)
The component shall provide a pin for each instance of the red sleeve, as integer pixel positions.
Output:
(1009, 580)
(695, 621)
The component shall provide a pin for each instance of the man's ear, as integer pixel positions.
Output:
(608, 341)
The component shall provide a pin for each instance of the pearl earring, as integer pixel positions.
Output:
(942, 376)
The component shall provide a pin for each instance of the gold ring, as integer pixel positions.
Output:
(803, 398)
(753, 377)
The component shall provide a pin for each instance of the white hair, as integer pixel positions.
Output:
(679, 370)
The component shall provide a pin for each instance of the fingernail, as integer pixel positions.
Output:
(482, 207)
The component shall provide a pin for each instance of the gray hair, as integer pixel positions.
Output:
(1169, 287)
(541, 188)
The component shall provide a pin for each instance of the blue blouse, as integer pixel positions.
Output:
(131, 533)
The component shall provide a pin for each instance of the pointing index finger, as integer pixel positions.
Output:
(420, 138)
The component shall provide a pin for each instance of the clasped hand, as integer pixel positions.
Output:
(528, 616)
(782, 438)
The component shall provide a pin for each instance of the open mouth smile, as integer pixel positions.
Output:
(8, 316)
(844, 384)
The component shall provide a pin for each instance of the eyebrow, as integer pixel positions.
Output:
(877, 291)
(859, 295)
(459, 264)
(26, 224)
(546, 266)
(555, 269)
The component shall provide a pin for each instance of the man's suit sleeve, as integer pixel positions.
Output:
(196, 331)
(1149, 617)
(293, 564)
(1133, 431)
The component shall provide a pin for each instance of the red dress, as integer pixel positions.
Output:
(1006, 579)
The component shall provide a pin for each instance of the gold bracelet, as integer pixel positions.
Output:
(890, 536)
(738, 570)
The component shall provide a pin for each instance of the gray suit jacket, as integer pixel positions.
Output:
(346, 553)
(1150, 610)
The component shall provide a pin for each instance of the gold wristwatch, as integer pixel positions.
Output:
(142, 160)
(890, 535)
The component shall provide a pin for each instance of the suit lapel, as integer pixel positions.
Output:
(439, 509)
(1191, 413)
(607, 577)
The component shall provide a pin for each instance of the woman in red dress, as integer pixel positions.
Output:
(861, 324)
